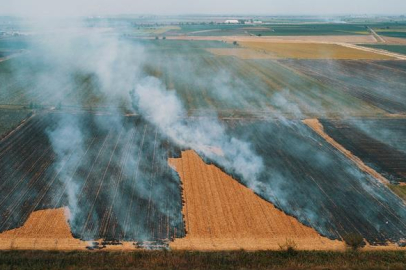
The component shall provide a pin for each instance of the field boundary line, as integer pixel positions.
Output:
(373, 50)
(317, 127)
(20, 125)
(375, 34)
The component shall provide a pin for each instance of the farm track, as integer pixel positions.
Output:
(377, 51)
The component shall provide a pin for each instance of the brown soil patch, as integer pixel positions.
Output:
(222, 214)
(43, 230)
(318, 128)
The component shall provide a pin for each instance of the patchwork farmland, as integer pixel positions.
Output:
(203, 137)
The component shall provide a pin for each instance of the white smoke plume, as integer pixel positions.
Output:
(164, 109)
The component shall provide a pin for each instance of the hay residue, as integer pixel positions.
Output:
(43, 230)
(222, 214)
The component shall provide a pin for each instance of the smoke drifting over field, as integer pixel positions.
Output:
(165, 110)
(102, 162)
(67, 139)
(80, 68)
(86, 68)
(112, 169)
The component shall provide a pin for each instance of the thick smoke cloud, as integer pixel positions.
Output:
(67, 141)
(164, 109)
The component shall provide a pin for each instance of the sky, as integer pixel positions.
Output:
(63, 8)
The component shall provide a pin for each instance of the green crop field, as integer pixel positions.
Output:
(396, 34)
(313, 29)
(203, 260)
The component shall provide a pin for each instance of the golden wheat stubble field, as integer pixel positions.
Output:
(313, 51)
(219, 214)
(222, 214)
(44, 230)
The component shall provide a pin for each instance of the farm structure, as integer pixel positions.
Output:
(114, 177)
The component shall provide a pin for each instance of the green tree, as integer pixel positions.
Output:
(354, 241)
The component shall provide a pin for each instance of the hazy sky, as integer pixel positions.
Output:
(93, 7)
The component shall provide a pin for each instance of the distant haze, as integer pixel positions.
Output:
(59, 8)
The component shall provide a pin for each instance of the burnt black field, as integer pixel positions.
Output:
(380, 143)
(114, 177)
(309, 179)
(379, 83)
(99, 116)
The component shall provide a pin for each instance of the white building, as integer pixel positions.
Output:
(232, 21)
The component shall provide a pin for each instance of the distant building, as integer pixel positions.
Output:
(232, 21)
(252, 22)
